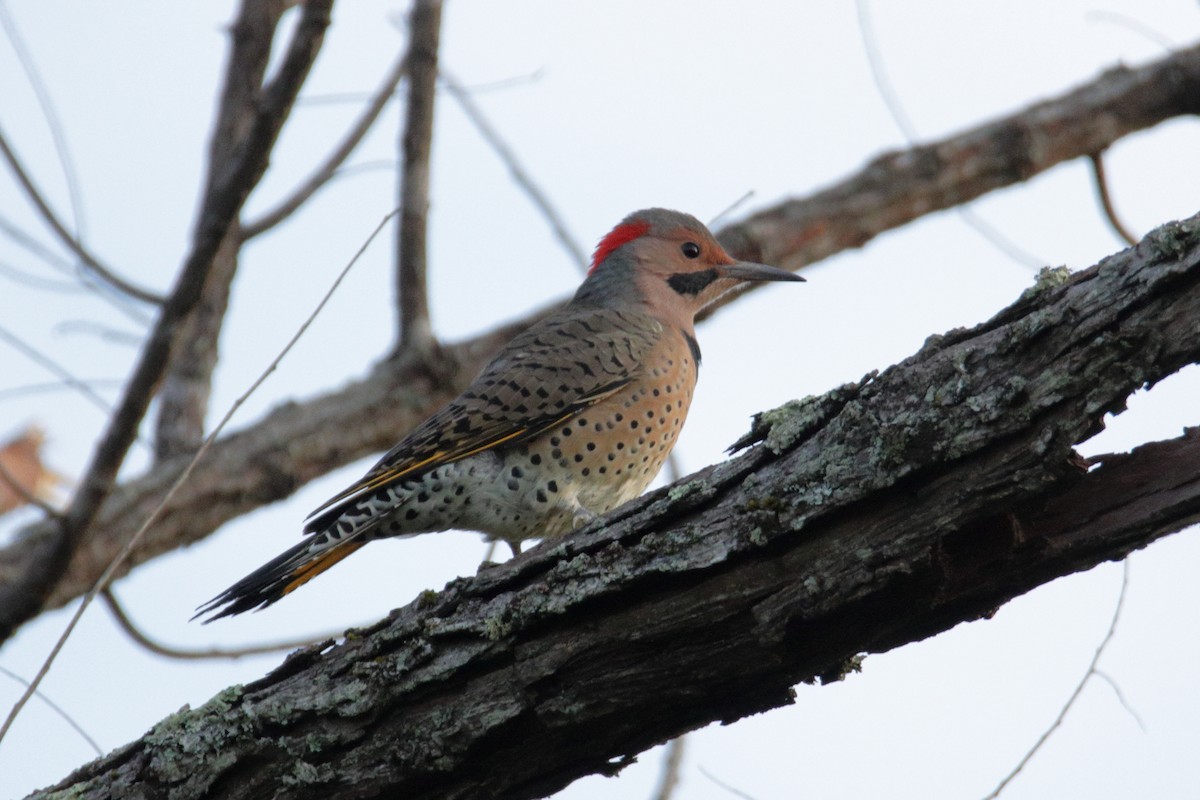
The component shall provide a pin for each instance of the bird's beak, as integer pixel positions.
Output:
(749, 271)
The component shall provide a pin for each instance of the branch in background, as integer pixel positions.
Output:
(34, 195)
(1110, 213)
(25, 595)
(672, 762)
(53, 123)
(57, 709)
(184, 392)
(518, 172)
(299, 441)
(133, 632)
(897, 188)
(326, 171)
(183, 395)
(891, 99)
(858, 522)
(53, 367)
(1092, 671)
(412, 297)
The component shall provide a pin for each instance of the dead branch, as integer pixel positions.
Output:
(34, 194)
(330, 166)
(412, 297)
(879, 514)
(1100, 178)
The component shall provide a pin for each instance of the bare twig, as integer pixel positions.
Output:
(1087, 676)
(68, 239)
(10, 392)
(1110, 213)
(518, 172)
(110, 570)
(900, 116)
(133, 632)
(672, 761)
(57, 709)
(18, 275)
(1132, 24)
(326, 171)
(729, 209)
(52, 366)
(224, 197)
(416, 332)
(725, 786)
(1129, 709)
(70, 175)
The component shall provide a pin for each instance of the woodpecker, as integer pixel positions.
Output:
(571, 419)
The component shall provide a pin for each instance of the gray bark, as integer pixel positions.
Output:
(878, 514)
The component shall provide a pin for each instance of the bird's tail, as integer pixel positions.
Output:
(281, 575)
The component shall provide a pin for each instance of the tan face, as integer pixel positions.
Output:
(690, 263)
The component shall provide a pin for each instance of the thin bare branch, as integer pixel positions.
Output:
(313, 37)
(1132, 24)
(333, 162)
(68, 239)
(735, 792)
(519, 174)
(133, 632)
(18, 275)
(672, 762)
(53, 123)
(57, 709)
(891, 99)
(1087, 676)
(53, 367)
(412, 297)
(223, 198)
(1129, 709)
(9, 392)
(1110, 213)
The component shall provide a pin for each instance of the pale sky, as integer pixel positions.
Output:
(617, 106)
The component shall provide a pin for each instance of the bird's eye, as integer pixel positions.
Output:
(690, 250)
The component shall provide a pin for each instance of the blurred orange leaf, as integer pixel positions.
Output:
(21, 464)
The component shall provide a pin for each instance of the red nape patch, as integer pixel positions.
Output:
(618, 236)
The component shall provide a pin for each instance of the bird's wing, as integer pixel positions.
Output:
(529, 388)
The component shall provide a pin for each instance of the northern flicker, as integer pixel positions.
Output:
(573, 418)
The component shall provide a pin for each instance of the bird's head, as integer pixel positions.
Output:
(670, 263)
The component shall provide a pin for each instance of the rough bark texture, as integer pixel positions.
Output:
(878, 514)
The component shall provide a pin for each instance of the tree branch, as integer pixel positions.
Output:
(252, 468)
(879, 514)
(328, 168)
(897, 188)
(68, 239)
(183, 397)
(519, 174)
(228, 187)
(411, 291)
